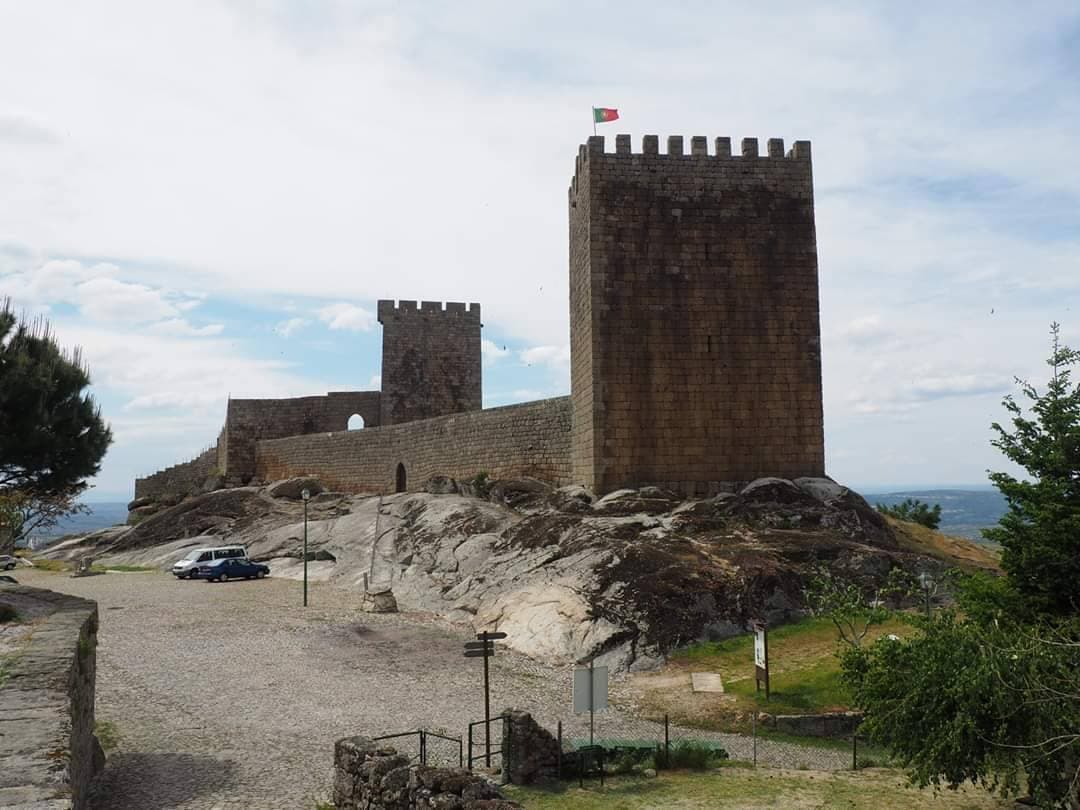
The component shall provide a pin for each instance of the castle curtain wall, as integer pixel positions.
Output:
(251, 420)
(532, 440)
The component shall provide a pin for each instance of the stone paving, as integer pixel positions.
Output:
(232, 695)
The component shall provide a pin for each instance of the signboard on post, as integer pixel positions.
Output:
(761, 658)
(590, 692)
(484, 648)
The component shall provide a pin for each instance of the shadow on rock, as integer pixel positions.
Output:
(147, 781)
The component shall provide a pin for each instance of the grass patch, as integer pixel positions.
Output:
(804, 674)
(107, 735)
(749, 788)
(52, 565)
(126, 569)
(959, 551)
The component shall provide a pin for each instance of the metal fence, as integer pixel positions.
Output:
(426, 747)
(616, 733)
(485, 742)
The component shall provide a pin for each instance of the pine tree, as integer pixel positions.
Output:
(52, 436)
(1040, 532)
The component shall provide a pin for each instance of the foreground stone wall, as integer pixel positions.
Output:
(48, 751)
(517, 440)
(694, 324)
(179, 480)
(369, 777)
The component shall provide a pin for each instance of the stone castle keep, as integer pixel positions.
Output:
(694, 340)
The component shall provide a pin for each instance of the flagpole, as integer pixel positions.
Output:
(594, 121)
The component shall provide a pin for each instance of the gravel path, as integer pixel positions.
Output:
(232, 695)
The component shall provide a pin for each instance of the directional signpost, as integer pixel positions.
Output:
(484, 648)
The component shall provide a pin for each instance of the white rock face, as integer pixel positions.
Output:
(621, 580)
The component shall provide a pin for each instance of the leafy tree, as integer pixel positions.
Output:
(1040, 532)
(991, 692)
(995, 704)
(52, 436)
(852, 610)
(914, 511)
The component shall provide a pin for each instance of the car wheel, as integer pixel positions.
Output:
(9, 566)
(260, 575)
(223, 578)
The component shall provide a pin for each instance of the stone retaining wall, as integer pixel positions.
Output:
(370, 777)
(48, 751)
(531, 440)
(829, 724)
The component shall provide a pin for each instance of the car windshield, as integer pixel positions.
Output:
(191, 555)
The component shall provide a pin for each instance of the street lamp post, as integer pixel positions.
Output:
(306, 495)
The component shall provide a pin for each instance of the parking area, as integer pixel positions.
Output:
(231, 695)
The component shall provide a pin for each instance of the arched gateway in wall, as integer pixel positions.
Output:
(401, 482)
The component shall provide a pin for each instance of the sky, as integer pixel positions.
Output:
(209, 197)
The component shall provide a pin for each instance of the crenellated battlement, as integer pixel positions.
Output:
(699, 148)
(406, 308)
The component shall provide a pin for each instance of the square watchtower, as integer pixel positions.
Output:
(430, 360)
(695, 337)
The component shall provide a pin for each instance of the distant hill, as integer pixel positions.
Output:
(100, 516)
(964, 512)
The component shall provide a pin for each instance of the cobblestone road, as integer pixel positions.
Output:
(231, 695)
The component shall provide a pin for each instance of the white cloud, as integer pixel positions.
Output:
(346, 316)
(23, 130)
(107, 299)
(867, 330)
(491, 352)
(182, 328)
(291, 326)
(922, 231)
(556, 357)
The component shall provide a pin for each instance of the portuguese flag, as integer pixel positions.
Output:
(602, 114)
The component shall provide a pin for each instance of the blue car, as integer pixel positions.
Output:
(232, 568)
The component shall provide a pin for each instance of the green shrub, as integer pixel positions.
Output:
(105, 731)
(7, 613)
(914, 511)
(691, 754)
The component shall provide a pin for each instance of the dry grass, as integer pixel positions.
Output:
(747, 788)
(958, 551)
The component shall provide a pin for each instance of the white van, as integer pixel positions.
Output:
(186, 568)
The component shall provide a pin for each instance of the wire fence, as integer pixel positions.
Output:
(761, 747)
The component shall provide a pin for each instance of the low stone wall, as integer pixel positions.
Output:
(370, 777)
(48, 751)
(530, 752)
(531, 440)
(830, 724)
(179, 480)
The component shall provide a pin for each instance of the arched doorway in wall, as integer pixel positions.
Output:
(356, 422)
(401, 480)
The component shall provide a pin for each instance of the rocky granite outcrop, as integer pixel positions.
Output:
(48, 751)
(623, 579)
